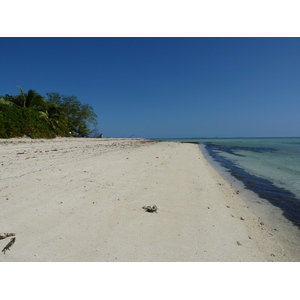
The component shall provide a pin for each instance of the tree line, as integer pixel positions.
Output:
(33, 115)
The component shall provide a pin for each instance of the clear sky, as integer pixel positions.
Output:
(166, 87)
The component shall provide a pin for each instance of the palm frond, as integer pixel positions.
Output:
(23, 96)
(6, 102)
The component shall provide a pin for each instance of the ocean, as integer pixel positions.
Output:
(268, 167)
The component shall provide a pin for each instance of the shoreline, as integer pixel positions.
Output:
(281, 227)
(72, 199)
(277, 196)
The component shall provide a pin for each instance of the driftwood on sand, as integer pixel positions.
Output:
(12, 241)
(6, 235)
(7, 247)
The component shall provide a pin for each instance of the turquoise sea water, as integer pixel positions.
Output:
(270, 167)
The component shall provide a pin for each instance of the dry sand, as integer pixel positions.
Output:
(76, 200)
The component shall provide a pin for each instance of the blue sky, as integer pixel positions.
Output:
(166, 87)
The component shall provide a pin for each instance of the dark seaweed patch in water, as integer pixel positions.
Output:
(232, 149)
(296, 143)
(265, 189)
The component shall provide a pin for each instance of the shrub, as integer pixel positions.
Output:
(10, 121)
(17, 121)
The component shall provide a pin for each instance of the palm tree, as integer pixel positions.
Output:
(31, 99)
(56, 118)
(51, 113)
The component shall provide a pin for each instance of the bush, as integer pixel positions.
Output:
(34, 126)
(17, 121)
(10, 121)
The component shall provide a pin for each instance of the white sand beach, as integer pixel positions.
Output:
(71, 200)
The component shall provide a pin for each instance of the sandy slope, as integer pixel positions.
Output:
(81, 200)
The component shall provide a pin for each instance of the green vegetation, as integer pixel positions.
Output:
(35, 116)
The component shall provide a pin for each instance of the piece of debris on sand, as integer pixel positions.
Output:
(7, 247)
(150, 209)
(6, 235)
